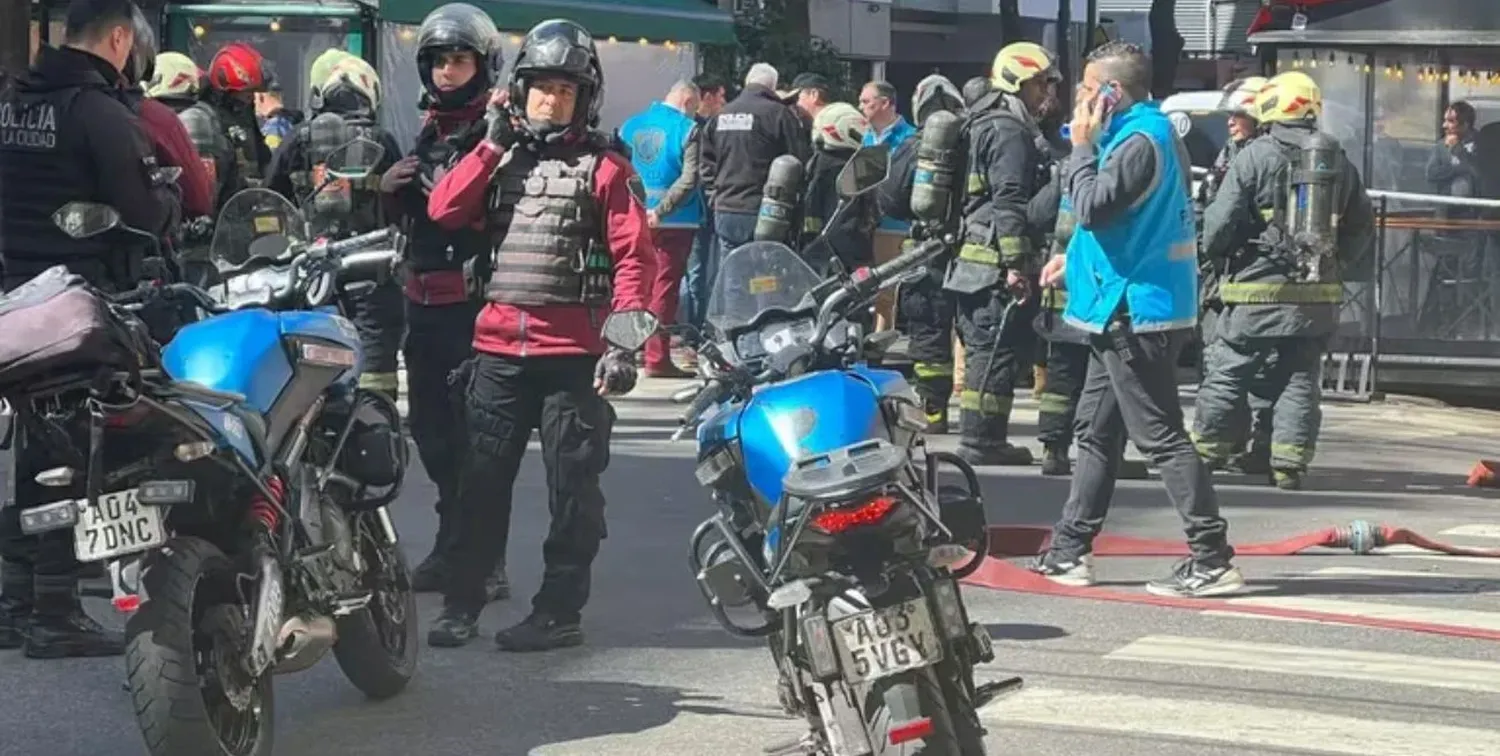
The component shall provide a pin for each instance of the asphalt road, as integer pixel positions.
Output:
(658, 677)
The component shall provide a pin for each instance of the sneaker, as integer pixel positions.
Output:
(1055, 461)
(1078, 573)
(1190, 579)
(453, 629)
(539, 632)
(1287, 480)
(497, 585)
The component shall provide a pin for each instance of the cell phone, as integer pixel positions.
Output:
(1108, 98)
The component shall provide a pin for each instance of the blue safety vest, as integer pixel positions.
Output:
(657, 138)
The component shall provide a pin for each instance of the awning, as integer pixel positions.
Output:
(1403, 23)
(677, 20)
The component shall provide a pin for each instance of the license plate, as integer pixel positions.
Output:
(120, 524)
(887, 641)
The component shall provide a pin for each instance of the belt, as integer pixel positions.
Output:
(435, 287)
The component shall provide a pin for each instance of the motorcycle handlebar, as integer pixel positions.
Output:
(358, 242)
(137, 299)
(367, 261)
(706, 397)
(872, 282)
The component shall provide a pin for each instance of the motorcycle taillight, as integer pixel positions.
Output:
(835, 521)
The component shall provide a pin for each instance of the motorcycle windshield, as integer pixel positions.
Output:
(255, 223)
(756, 277)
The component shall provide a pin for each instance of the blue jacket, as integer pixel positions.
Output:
(894, 136)
(1148, 256)
(657, 137)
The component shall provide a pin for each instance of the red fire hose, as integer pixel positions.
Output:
(1361, 537)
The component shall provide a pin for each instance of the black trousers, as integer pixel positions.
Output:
(1057, 404)
(929, 312)
(379, 312)
(996, 348)
(46, 555)
(1134, 393)
(440, 338)
(507, 398)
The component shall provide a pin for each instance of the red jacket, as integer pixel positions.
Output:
(537, 331)
(175, 148)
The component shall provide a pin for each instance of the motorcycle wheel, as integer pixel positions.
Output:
(183, 657)
(377, 645)
(922, 686)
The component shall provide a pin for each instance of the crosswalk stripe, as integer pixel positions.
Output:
(1338, 663)
(1213, 719)
(1406, 551)
(1473, 531)
(1402, 612)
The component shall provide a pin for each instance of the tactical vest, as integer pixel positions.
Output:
(548, 231)
(40, 172)
(431, 247)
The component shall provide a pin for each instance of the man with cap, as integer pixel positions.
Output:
(811, 92)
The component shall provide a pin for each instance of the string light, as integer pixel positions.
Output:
(199, 31)
(275, 24)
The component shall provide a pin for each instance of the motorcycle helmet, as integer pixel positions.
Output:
(839, 126)
(565, 49)
(459, 27)
(1018, 63)
(175, 76)
(238, 67)
(1292, 96)
(142, 63)
(352, 86)
(932, 94)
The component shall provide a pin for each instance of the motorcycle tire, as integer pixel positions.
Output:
(928, 693)
(188, 584)
(361, 651)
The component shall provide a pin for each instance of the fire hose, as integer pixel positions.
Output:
(1360, 537)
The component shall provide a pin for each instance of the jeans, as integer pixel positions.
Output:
(1133, 390)
(701, 268)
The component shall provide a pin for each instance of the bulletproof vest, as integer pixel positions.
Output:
(39, 173)
(430, 246)
(341, 207)
(207, 135)
(548, 231)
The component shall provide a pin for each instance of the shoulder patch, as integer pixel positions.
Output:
(637, 189)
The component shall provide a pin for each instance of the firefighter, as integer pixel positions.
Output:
(459, 62)
(236, 73)
(991, 275)
(348, 104)
(571, 245)
(1289, 218)
(838, 131)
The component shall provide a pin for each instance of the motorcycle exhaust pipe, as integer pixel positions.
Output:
(303, 641)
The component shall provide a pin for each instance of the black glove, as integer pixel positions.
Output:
(500, 129)
(399, 175)
(615, 372)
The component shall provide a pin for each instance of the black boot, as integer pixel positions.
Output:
(540, 632)
(1055, 460)
(60, 628)
(1002, 454)
(431, 576)
(16, 599)
(497, 585)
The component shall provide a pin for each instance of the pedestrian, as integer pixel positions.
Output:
(837, 132)
(459, 62)
(1010, 206)
(664, 149)
(540, 360)
(1129, 186)
(700, 268)
(877, 100)
(1280, 290)
(738, 147)
(80, 142)
(236, 73)
(810, 93)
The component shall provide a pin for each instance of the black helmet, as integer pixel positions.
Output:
(454, 27)
(141, 65)
(974, 89)
(561, 48)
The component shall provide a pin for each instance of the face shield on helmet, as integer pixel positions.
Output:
(562, 49)
(322, 67)
(839, 126)
(1288, 98)
(140, 67)
(933, 94)
(176, 77)
(459, 27)
(352, 86)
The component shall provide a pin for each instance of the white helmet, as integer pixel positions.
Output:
(357, 75)
(839, 126)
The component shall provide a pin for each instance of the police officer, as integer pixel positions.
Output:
(1000, 251)
(236, 73)
(1254, 456)
(66, 134)
(1283, 264)
(346, 109)
(459, 61)
(571, 244)
(926, 306)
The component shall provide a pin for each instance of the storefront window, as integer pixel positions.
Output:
(290, 44)
(1342, 76)
(1408, 112)
(54, 35)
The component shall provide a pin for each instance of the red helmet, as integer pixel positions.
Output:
(238, 67)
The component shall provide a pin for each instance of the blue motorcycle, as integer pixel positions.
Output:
(835, 532)
(252, 524)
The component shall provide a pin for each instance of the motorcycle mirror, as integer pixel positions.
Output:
(355, 159)
(82, 220)
(629, 330)
(865, 170)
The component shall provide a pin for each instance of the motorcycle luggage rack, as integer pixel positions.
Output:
(841, 473)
